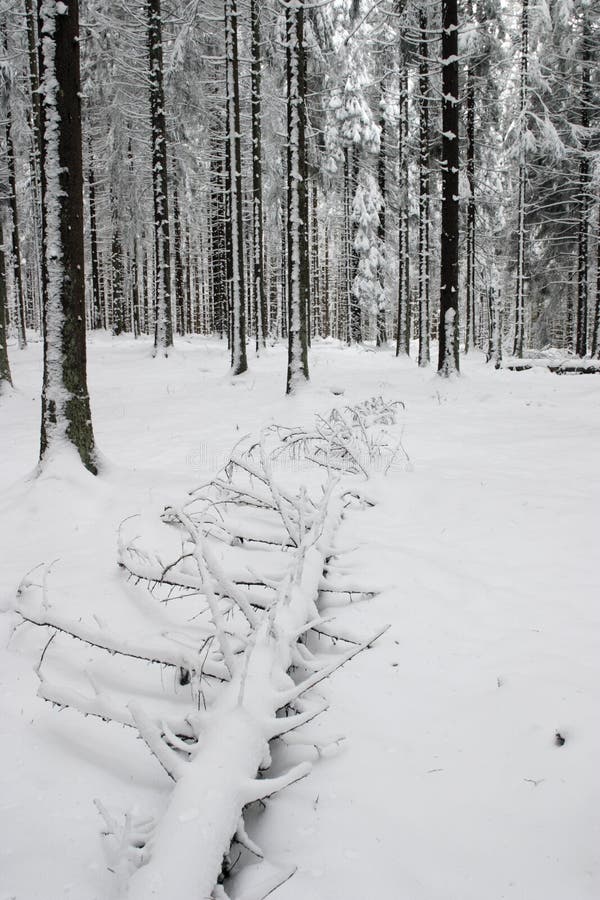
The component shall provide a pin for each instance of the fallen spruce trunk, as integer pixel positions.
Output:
(205, 810)
(250, 609)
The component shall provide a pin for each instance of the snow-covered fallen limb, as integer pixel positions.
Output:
(250, 562)
(220, 777)
(151, 647)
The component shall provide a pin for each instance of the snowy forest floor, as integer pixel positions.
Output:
(450, 785)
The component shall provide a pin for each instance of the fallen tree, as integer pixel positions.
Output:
(255, 557)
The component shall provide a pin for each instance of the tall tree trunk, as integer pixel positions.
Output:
(179, 289)
(5, 376)
(118, 292)
(66, 417)
(6, 111)
(348, 252)
(381, 326)
(520, 293)
(448, 357)
(403, 324)
(298, 275)
(470, 336)
(163, 336)
(258, 247)
(355, 309)
(424, 185)
(596, 332)
(97, 292)
(584, 195)
(239, 361)
(135, 287)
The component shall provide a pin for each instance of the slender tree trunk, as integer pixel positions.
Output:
(298, 275)
(5, 376)
(118, 292)
(239, 361)
(315, 270)
(355, 310)
(97, 293)
(470, 336)
(448, 358)
(581, 345)
(135, 287)
(381, 325)
(347, 245)
(163, 336)
(403, 324)
(66, 417)
(179, 292)
(596, 332)
(6, 111)
(424, 185)
(520, 294)
(258, 250)
(325, 293)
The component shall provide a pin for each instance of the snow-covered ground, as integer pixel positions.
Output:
(450, 785)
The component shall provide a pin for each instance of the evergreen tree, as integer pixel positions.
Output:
(66, 417)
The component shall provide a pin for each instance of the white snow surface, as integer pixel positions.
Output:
(449, 785)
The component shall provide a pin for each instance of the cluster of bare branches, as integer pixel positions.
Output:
(256, 565)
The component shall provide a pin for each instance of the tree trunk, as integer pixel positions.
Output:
(424, 179)
(97, 292)
(381, 326)
(448, 357)
(66, 417)
(520, 295)
(584, 196)
(470, 336)
(5, 376)
(118, 293)
(19, 293)
(239, 361)
(403, 324)
(298, 275)
(596, 332)
(258, 248)
(179, 290)
(163, 336)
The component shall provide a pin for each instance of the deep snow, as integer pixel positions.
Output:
(450, 785)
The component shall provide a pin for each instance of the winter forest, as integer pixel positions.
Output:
(298, 452)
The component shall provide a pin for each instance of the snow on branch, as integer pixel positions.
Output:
(254, 561)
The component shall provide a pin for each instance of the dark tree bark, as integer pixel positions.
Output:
(520, 293)
(118, 291)
(355, 310)
(163, 336)
(5, 376)
(348, 251)
(66, 417)
(596, 332)
(6, 109)
(470, 336)
(260, 298)
(135, 287)
(381, 325)
(98, 317)
(179, 289)
(584, 191)
(403, 324)
(298, 275)
(448, 358)
(424, 185)
(239, 362)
